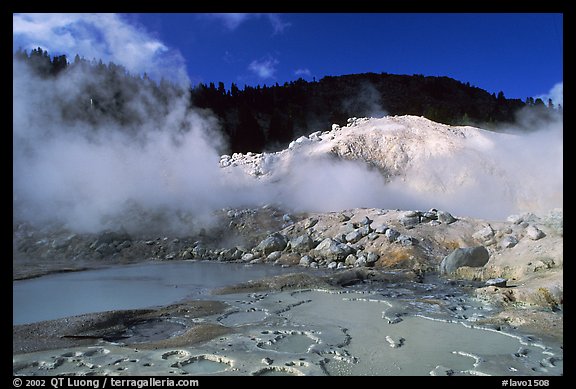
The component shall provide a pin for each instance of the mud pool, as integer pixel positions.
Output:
(125, 287)
(406, 329)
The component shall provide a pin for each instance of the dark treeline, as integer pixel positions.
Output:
(269, 117)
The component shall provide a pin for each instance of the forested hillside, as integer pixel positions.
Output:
(268, 117)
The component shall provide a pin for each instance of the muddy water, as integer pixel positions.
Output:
(407, 329)
(125, 287)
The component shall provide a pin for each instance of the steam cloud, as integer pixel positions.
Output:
(163, 174)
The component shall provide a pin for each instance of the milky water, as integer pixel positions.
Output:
(126, 287)
(407, 328)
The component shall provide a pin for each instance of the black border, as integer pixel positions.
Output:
(356, 6)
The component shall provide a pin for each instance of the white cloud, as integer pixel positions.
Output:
(105, 36)
(233, 20)
(303, 72)
(277, 23)
(265, 68)
(556, 94)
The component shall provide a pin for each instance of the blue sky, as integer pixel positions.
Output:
(520, 54)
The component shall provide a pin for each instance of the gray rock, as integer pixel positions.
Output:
(371, 258)
(395, 344)
(381, 229)
(62, 242)
(499, 282)
(373, 236)
(236, 254)
(360, 261)
(391, 234)
(302, 243)
(406, 240)
(273, 256)
(555, 220)
(124, 245)
(410, 221)
(534, 233)
(343, 217)
(431, 214)
(267, 361)
(445, 217)
(424, 219)
(350, 260)
(310, 223)
(105, 249)
(508, 242)
(331, 249)
(354, 236)
(516, 219)
(365, 230)
(199, 252)
(347, 228)
(476, 256)
(186, 254)
(274, 242)
(484, 234)
(306, 260)
(332, 265)
(366, 221)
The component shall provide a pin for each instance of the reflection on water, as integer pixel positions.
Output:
(126, 287)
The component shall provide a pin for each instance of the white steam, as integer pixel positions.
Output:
(413, 163)
(556, 94)
(90, 175)
(103, 36)
(161, 171)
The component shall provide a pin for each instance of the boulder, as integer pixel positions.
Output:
(381, 229)
(331, 249)
(410, 220)
(360, 261)
(445, 217)
(302, 243)
(309, 223)
(485, 234)
(354, 236)
(273, 256)
(498, 282)
(350, 260)
(306, 260)
(372, 258)
(468, 256)
(391, 234)
(534, 233)
(406, 240)
(274, 242)
(508, 242)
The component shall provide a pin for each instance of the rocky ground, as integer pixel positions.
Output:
(522, 268)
